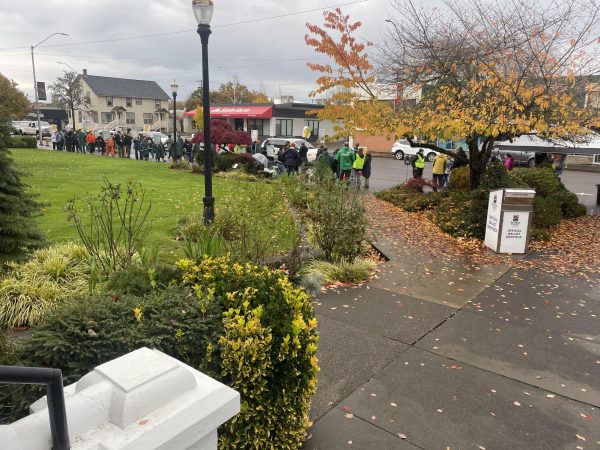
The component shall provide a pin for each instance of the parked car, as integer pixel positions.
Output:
(30, 127)
(402, 148)
(520, 157)
(156, 135)
(272, 146)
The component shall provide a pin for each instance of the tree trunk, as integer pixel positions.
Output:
(73, 115)
(475, 163)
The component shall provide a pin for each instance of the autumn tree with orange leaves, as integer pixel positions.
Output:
(487, 70)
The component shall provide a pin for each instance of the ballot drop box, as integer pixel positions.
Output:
(508, 224)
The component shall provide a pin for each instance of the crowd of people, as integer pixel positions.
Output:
(123, 145)
(351, 165)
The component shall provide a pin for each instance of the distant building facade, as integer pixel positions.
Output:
(270, 119)
(138, 105)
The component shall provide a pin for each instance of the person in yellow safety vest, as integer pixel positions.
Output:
(418, 164)
(358, 166)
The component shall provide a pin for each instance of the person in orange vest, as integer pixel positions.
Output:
(110, 146)
(90, 140)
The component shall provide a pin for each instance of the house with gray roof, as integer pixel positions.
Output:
(138, 105)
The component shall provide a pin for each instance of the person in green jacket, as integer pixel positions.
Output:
(145, 149)
(159, 152)
(81, 140)
(177, 151)
(345, 158)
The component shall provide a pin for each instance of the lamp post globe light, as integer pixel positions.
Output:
(174, 89)
(203, 11)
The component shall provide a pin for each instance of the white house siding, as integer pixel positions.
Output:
(98, 105)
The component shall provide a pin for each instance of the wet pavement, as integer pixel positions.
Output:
(439, 354)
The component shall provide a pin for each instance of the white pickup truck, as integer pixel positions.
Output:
(31, 127)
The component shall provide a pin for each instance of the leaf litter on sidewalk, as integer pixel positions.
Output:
(574, 248)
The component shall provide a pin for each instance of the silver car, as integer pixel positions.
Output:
(522, 158)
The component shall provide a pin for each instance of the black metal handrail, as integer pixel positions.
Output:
(52, 378)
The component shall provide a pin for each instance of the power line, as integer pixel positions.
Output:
(169, 33)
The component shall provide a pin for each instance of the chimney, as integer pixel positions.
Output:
(84, 72)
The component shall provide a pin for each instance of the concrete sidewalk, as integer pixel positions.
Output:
(499, 359)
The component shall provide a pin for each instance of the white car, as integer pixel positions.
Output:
(402, 148)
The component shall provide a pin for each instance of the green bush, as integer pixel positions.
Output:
(268, 351)
(546, 212)
(88, 331)
(452, 215)
(255, 225)
(338, 221)
(141, 280)
(569, 205)
(224, 162)
(544, 180)
(344, 272)
(22, 142)
(51, 276)
(396, 195)
(460, 178)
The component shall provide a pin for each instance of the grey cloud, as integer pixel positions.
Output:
(240, 49)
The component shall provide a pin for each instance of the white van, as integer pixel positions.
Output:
(30, 127)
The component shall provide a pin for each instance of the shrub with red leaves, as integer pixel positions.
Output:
(221, 132)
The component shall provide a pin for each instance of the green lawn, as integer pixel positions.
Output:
(59, 176)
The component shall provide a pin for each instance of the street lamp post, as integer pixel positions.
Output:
(37, 101)
(174, 89)
(203, 10)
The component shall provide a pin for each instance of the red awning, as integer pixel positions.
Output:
(238, 112)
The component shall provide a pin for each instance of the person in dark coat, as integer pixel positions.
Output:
(137, 146)
(366, 172)
(292, 159)
(101, 144)
(127, 142)
(461, 159)
(303, 152)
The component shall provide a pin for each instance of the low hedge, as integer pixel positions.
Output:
(22, 142)
(245, 325)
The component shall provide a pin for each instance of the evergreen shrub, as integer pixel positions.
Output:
(22, 142)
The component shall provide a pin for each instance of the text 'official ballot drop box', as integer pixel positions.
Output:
(510, 212)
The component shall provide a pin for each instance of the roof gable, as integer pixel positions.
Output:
(122, 87)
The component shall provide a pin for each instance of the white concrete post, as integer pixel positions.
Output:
(143, 400)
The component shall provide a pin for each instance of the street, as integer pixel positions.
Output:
(388, 172)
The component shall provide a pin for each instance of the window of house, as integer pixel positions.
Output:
(284, 127)
(129, 102)
(259, 124)
(130, 118)
(313, 126)
(148, 118)
(138, 101)
(106, 117)
(157, 104)
(80, 116)
(596, 159)
(109, 101)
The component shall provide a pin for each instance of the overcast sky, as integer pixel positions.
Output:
(269, 54)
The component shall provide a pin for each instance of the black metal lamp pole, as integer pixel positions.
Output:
(209, 201)
(174, 117)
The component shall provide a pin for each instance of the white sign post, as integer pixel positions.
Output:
(508, 223)
(254, 135)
